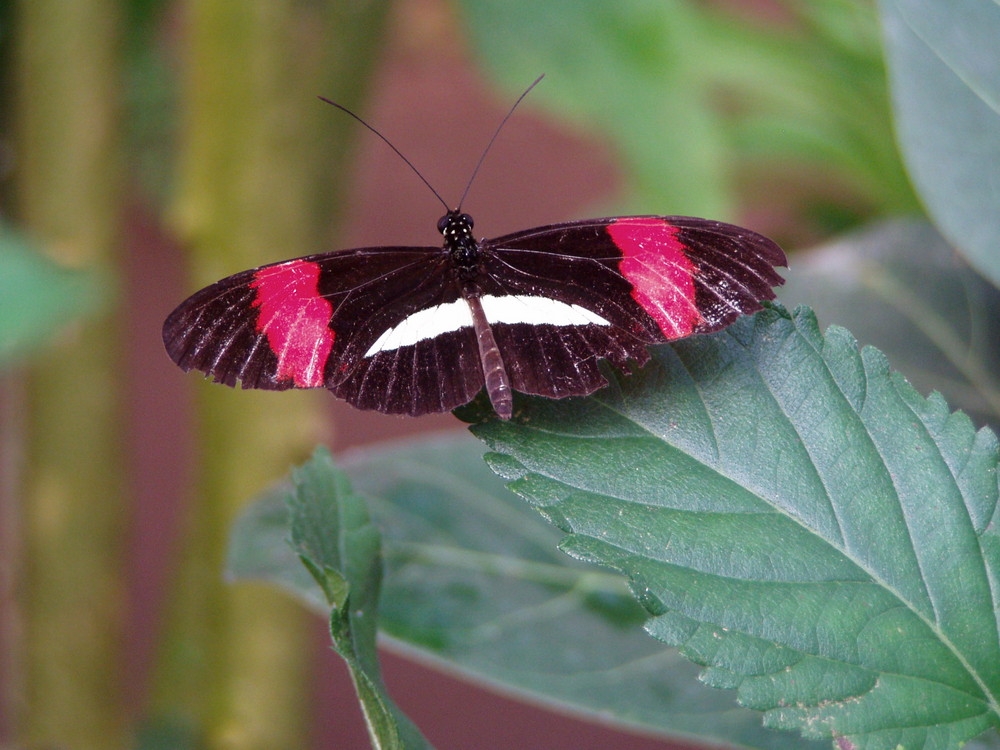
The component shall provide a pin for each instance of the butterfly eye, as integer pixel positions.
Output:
(466, 219)
(443, 222)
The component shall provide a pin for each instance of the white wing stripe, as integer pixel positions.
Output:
(434, 321)
(424, 324)
(538, 310)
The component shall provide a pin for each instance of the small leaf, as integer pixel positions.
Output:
(945, 79)
(474, 580)
(37, 297)
(338, 544)
(796, 517)
(875, 282)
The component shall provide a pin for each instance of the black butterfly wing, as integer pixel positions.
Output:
(648, 278)
(388, 329)
(311, 322)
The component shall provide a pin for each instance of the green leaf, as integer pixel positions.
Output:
(875, 282)
(796, 517)
(37, 297)
(475, 582)
(336, 541)
(945, 78)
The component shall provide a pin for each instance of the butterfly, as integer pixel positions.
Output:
(417, 330)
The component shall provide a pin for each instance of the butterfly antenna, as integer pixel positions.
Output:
(486, 150)
(399, 153)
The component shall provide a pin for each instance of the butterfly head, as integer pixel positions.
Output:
(455, 225)
(456, 228)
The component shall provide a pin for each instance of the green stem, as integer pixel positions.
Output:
(257, 148)
(69, 195)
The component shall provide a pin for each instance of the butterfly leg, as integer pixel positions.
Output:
(497, 379)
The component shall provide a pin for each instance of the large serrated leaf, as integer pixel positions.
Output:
(796, 517)
(474, 580)
(945, 79)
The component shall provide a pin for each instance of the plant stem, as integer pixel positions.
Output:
(235, 663)
(69, 195)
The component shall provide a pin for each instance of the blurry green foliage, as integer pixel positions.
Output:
(151, 96)
(875, 281)
(38, 297)
(698, 99)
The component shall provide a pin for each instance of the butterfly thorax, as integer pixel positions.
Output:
(460, 243)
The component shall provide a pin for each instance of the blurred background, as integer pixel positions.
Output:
(150, 147)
